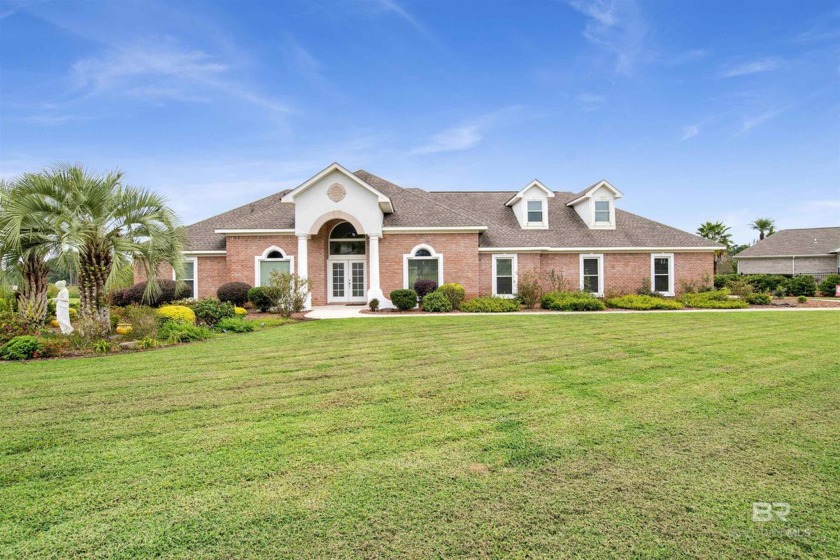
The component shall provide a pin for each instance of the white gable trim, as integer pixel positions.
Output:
(384, 201)
(535, 183)
(434, 229)
(588, 193)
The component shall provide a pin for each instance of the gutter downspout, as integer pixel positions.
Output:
(793, 265)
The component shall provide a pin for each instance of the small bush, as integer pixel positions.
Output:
(261, 298)
(373, 304)
(572, 301)
(718, 299)
(102, 346)
(177, 313)
(529, 289)
(143, 321)
(169, 291)
(119, 297)
(436, 302)
(12, 325)
(741, 288)
(758, 299)
(779, 292)
(174, 332)
(21, 348)
(234, 325)
(455, 293)
(210, 311)
(234, 292)
(54, 346)
(404, 299)
(644, 289)
(490, 305)
(554, 281)
(827, 286)
(643, 303)
(424, 288)
(804, 285)
(240, 311)
(147, 343)
(290, 292)
(802, 299)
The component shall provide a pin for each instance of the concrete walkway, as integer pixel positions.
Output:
(354, 311)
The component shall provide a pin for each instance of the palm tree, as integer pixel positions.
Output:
(25, 246)
(718, 233)
(103, 227)
(764, 226)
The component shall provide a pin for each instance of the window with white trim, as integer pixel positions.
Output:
(592, 274)
(662, 273)
(422, 264)
(189, 276)
(602, 212)
(504, 275)
(272, 259)
(535, 212)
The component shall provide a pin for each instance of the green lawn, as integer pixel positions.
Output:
(632, 435)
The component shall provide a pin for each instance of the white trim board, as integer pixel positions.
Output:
(599, 249)
(434, 229)
(253, 231)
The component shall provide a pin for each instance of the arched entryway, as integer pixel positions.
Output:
(346, 265)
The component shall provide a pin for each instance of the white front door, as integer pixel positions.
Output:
(346, 281)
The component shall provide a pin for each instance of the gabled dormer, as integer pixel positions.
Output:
(530, 205)
(596, 205)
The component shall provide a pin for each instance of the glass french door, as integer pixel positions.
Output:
(346, 281)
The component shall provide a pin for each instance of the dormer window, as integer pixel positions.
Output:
(602, 212)
(535, 212)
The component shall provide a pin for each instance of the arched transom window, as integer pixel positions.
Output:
(272, 259)
(345, 240)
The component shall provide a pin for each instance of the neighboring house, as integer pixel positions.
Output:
(358, 237)
(813, 251)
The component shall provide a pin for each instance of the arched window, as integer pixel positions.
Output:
(422, 263)
(344, 240)
(272, 259)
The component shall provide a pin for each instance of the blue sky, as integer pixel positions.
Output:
(695, 110)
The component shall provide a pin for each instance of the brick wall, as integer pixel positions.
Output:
(460, 258)
(212, 273)
(241, 251)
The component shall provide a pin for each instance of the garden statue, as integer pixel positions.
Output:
(62, 307)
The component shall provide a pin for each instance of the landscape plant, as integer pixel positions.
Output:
(759, 299)
(642, 302)
(178, 313)
(167, 291)
(373, 305)
(234, 325)
(174, 332)
(529, 289)
(454, 292)
(234, 292)
(289, 291)
(404, 299)
(571, 301)
(23, 347)
(261, 298)
(424, 287)
(803, 285)
(802, 299)
(209, 311)
(828, 285)
(490, 305)
(436, 302)
(718, 299)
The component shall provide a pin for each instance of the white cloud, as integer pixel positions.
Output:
(392, 6)
(165, 69)
(690, 132)
(747, 68)
(616, 27)
(589, 102)
(468, 134)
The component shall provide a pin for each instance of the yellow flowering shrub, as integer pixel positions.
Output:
(177, 313)
(241, 311)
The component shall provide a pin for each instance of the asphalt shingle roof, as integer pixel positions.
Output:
(419, 208)
(796, 242)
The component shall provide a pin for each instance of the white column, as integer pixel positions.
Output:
(374, 289)
(303, 263)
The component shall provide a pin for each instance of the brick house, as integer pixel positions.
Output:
(358, 237)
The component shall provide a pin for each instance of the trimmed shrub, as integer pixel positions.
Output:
(455, 293)
(490, 305)
(779, 292)
(240, 311)
(174, 332)
(234, 325)
(210, 311)
(827, 286)
(261, 298)
(758, 299)
(234, 292)
(424, 288)
(718, 299)
(804, 285)
(168, 292)
(643, 303)
(436, 302)
(802, 299)
(119, 297)
(178, 313)
(741, 288)
(572, 301)
(529, 289)
(404, 299)
(373, 304)
(21, 348)
(759, 282)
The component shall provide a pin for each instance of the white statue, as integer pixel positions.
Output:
(62, 307)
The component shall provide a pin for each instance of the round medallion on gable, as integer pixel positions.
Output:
(336, 192)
